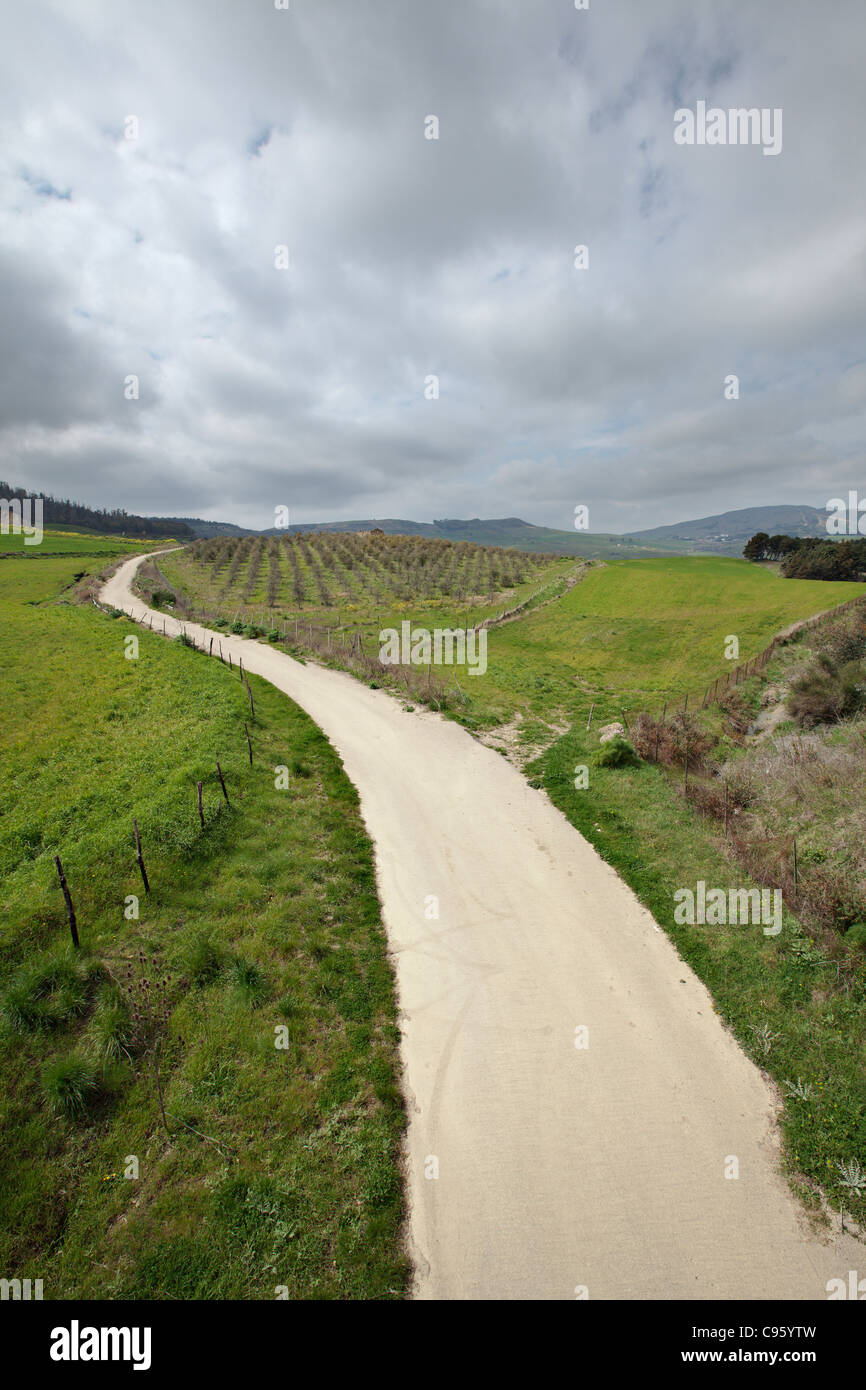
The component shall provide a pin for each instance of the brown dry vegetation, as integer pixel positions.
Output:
(806, 784)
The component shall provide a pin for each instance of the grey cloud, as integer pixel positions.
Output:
(409, 257)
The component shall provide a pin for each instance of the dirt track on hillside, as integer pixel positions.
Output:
(559, 1168)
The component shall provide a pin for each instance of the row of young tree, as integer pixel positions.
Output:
(327, 567)
(60, 511)
(810, 557)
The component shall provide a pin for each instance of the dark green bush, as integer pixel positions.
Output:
(618, 752)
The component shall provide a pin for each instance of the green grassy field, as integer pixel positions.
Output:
(276, 1166)
(57, 540)
(636, 633)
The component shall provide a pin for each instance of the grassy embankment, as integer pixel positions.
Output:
(278, 1165)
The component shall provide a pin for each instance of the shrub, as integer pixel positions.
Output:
(688, 742)
(237, 626)
(618, 752)
(737, 710)
(161, 596)
(70, 1085)
(855, 937)
(825, 693)
(845, 641)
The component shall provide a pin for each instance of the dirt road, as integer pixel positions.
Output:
(537, 1168)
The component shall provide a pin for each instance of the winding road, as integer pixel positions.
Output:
(537, 1168)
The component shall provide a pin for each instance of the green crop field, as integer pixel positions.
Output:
(202, 1101)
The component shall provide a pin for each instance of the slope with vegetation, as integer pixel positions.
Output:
(201, 1101)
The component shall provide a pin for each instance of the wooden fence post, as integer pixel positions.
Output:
(200, 807)
(70, 910)
(589, 720)
(139, 856)
(249, 743)
(222, 782)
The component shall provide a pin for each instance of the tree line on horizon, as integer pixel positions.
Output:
(810, 557)
(61, 511)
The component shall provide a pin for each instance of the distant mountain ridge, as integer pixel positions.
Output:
(723, 534)
(742, 524)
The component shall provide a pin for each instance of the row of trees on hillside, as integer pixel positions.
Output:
(808, 557)
(62, 512)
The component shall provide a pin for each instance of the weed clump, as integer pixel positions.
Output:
(70, 1085)
(47, 995)
(249, 982)
(203, 958)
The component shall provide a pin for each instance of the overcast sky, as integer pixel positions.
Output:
(412, 257)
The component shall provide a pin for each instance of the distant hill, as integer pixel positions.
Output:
(728, 532)
(507, 531)
(205, 529)
(725, 534)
